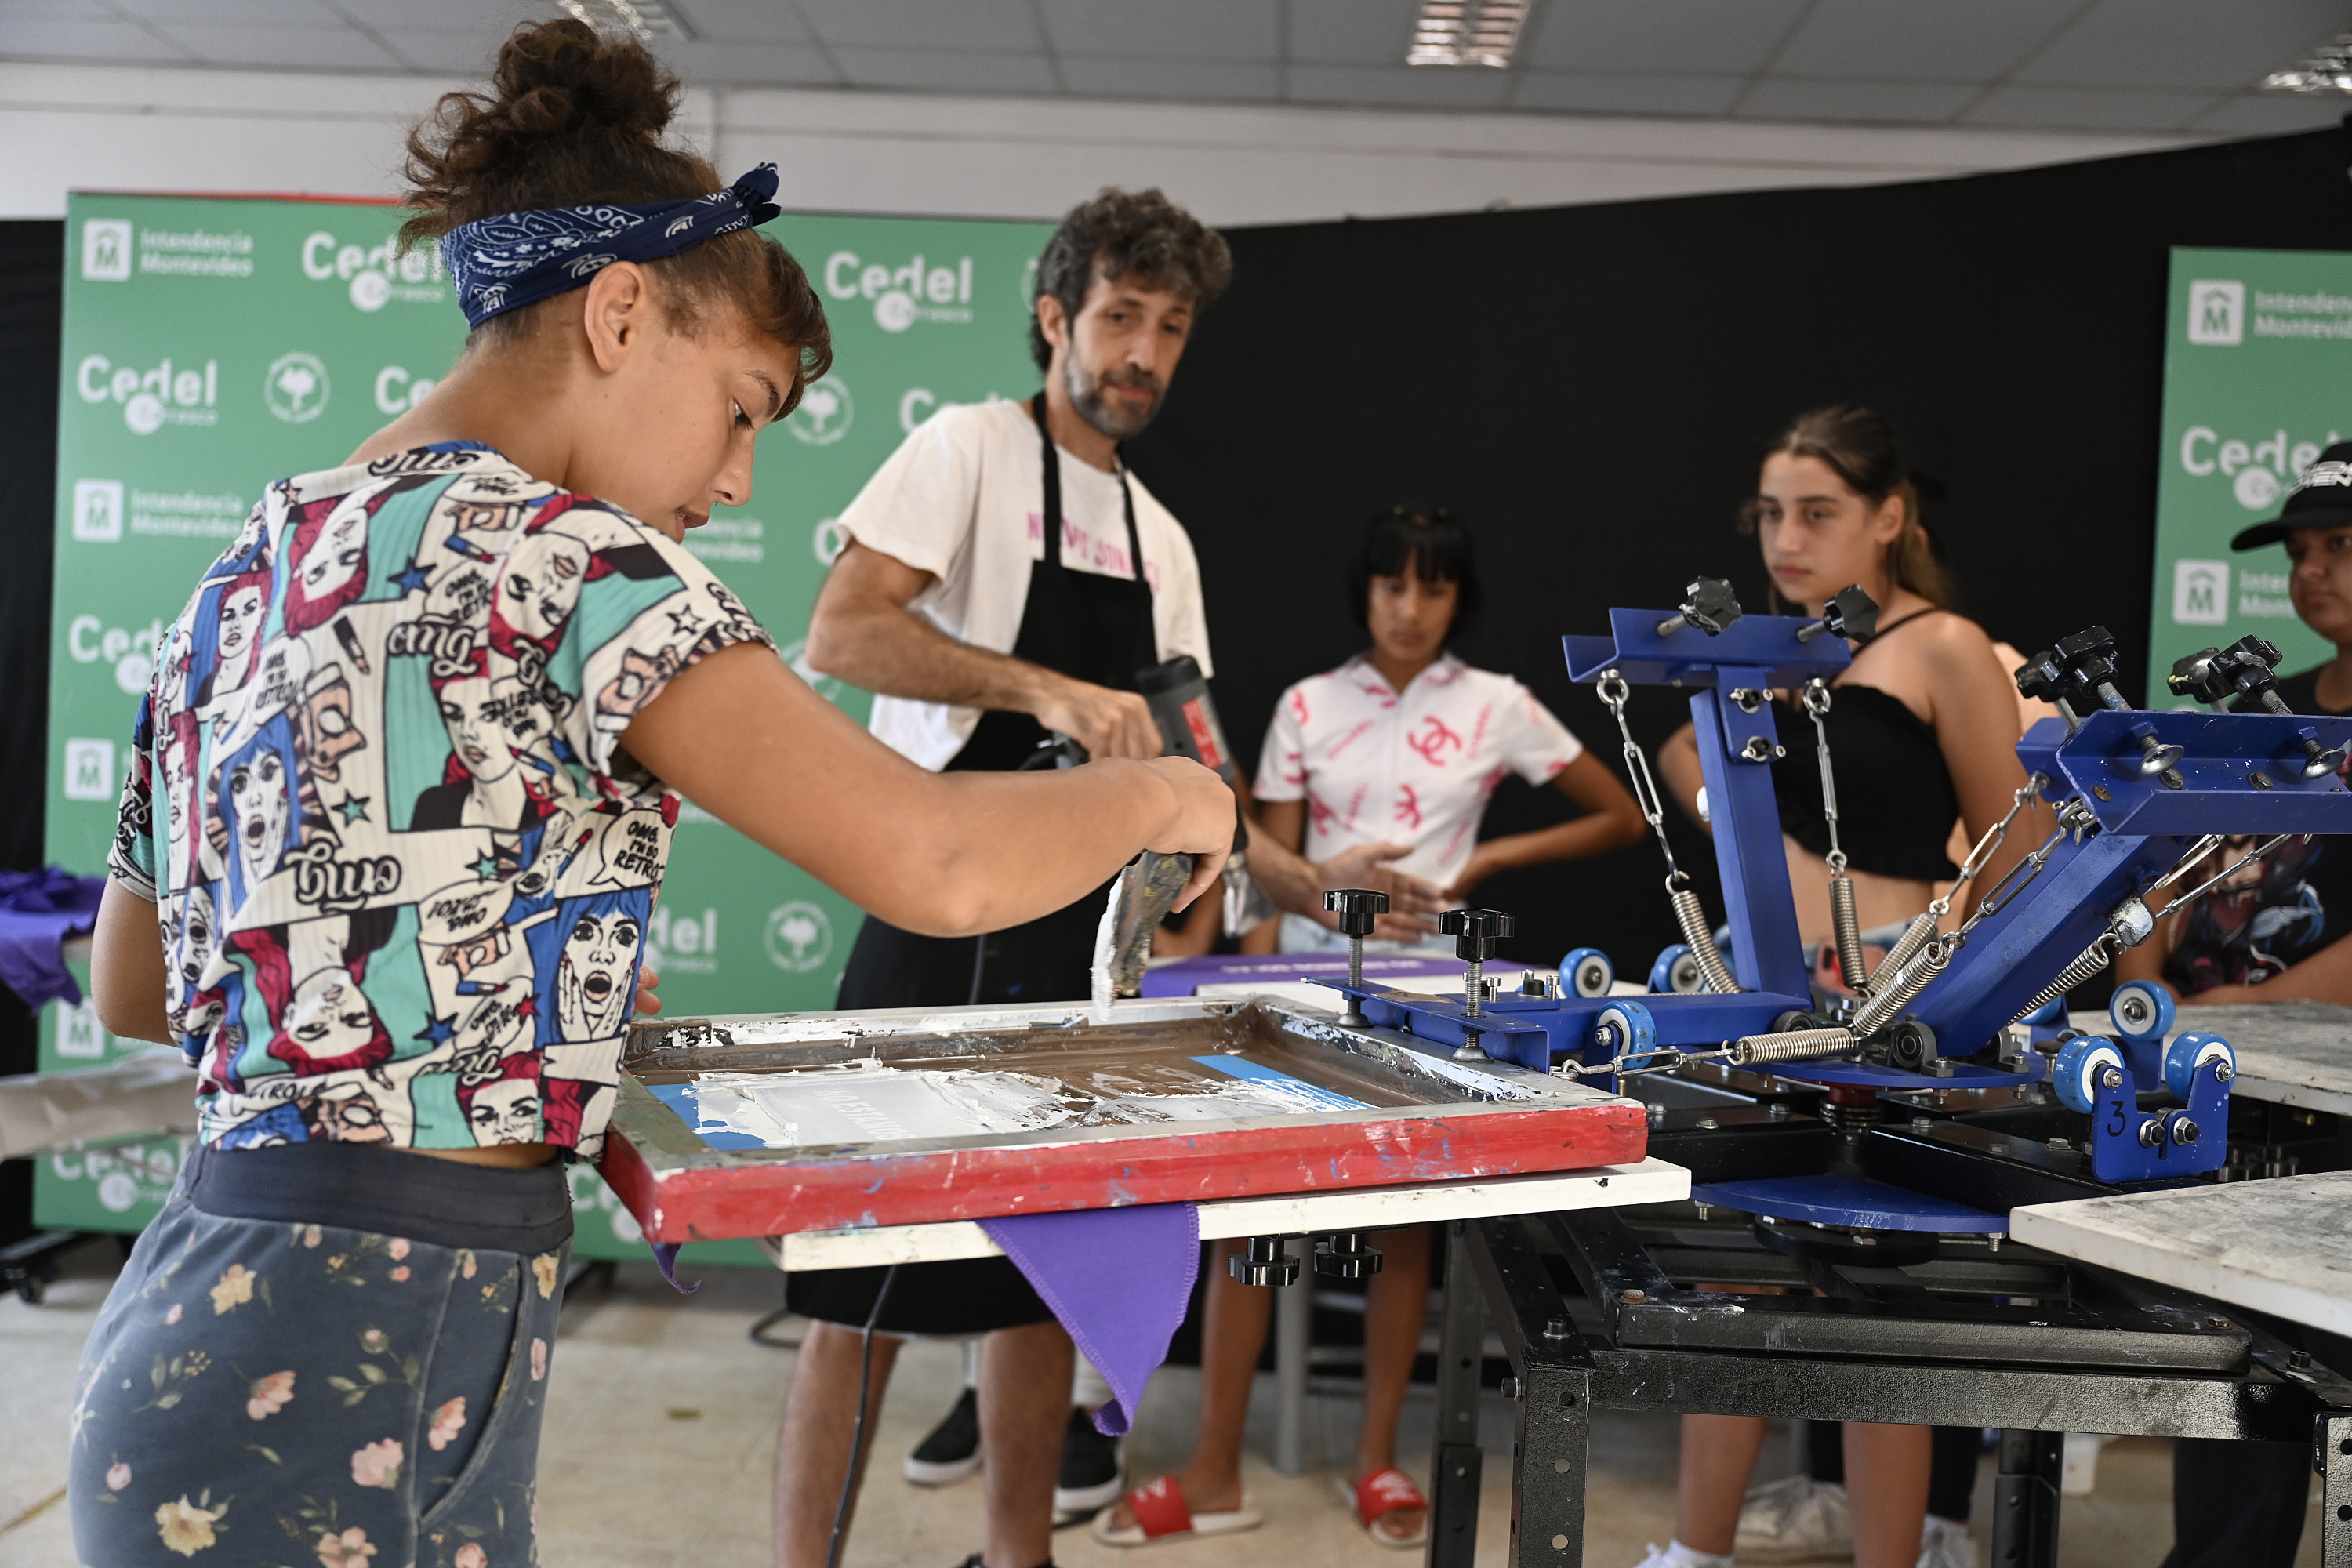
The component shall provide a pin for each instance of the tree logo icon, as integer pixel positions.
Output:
(297, 388)
(824, 414)
(799, 936)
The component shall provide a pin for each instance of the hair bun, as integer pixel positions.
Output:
(564, 76)
(573, 117)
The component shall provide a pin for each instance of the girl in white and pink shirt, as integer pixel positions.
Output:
(1404, 743)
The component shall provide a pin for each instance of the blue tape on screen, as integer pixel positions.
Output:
(1320, 1098)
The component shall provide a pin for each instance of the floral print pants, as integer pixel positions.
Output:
(257, 1391)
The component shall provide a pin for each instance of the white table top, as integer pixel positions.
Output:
(2289, 1053)
(2281, 1246)
(1354, 1208)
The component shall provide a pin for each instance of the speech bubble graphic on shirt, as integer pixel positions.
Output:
(628, 852)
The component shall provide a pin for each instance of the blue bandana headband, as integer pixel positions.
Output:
(503, 263)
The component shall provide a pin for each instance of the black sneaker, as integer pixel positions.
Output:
(951, 1453)
(1092, 1474)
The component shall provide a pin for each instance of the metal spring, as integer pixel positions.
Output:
(1907, 947)
(1845, 923)
(2094, 958)
(1882, 1007)
(1692, 917)
(1792, 1045)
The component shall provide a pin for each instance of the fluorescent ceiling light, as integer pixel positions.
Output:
(1466, 32)
(645, 18)
(2324, 68)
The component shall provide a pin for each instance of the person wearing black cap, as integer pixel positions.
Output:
(2276, 931)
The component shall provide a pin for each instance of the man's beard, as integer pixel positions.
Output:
(1092, 407)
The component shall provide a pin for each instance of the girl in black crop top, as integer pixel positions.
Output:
(1922, 730)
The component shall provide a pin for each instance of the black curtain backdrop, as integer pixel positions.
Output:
(1590, 387)
(32, 302)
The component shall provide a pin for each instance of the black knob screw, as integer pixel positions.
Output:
(1474, 934)
(1708, 603)
(1359, 909)
(1263, 1261)
(1850, 613)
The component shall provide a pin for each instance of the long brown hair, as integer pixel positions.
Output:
(1860, 445)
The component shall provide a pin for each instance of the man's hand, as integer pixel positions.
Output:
(648, 1003)
(1412, 901)
(1107, 723)
(1202, 825)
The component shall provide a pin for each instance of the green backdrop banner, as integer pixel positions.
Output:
(213, 345)
(2257, 381)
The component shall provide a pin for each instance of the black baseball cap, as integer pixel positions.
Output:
(2322, 497)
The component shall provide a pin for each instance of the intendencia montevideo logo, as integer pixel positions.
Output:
(108, 245)
(911, 292)
(379, 275)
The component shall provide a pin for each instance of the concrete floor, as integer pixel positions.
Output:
(661, 1436)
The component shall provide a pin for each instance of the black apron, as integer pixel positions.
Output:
(1079, 624)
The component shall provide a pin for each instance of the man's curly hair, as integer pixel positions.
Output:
(1120, 234)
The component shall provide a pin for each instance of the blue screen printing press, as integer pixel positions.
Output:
(1856, 1153)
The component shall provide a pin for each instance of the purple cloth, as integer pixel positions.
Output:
(665, 1260)
(1120, 1280)
(1180, 978)
(38, 909)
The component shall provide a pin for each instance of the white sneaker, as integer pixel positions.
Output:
(1658, 1557)
(1675, 1554)
(1796, 1521)
(1945, 1543)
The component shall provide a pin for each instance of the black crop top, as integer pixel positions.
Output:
(1896, 802)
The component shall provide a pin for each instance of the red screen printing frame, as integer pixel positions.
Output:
(1467, 1120)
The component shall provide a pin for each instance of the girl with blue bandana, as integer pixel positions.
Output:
(420, 734)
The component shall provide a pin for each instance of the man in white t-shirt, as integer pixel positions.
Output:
(1006, 580)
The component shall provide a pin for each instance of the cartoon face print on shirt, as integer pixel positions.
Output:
(330, 565)
(642, 675)
(596, 974)
(190, 939)
(330, 1025)
(539, 584)
(505, 1109)
(328, 733)
(256, 791)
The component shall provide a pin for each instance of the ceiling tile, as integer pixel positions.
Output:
(1557, 91)
(277, 49)
(1891, 102)
(2087, 108)
(104, 43)
(2181, 43)
(495, 18)
(1196, 29)
(1350, 32)
(2275, 114)
(444, 49)
(1206, 80)
(703, 61)
(1919, 40)
(1658, 34)
(1401, 86)
(756, 21)
(1003, 26)
(235, 13)
(940, 70)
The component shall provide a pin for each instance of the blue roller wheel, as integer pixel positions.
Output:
(2048, 1013)
(1587, 972)
(2141, 1010)
(1676, 973)
(1630, 1030)
(2185, 1059)
(2076, 1073)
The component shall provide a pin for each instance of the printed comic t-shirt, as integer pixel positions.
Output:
(402, 866)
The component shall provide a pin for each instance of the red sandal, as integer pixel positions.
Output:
(1376, 1496)
(1162, 1514)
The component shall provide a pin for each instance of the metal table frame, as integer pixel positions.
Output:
(1559, 1375)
